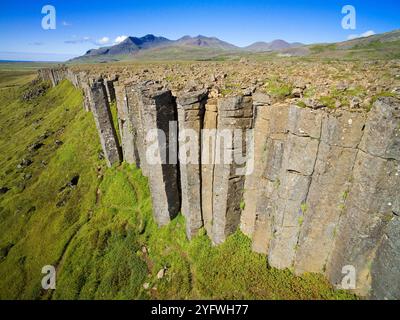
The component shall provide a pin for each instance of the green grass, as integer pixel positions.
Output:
(342, 96)
(278, 88)
(319, 48)
(95, 233)
(18, 73)
(15, 78)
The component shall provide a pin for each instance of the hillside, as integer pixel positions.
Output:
(61, 205)
(275, 45)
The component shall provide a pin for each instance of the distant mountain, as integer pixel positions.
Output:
(275, 45)
(206, 42)
(131, 45)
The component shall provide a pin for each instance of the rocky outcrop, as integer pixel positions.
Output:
(316, 189)
(235, 116)
(208, 138)
(158, 108)
(191, 108)
(365, 231)
(110, 88)
(104, 123)
(340, 137)
(128, 132)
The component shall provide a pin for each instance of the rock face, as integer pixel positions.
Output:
(191, 107)
(207, 158)
(156, 110)
(110, 88)
(341, 134)
(365, 231)
(317, 189)
(103, 119)
(127, 130)
(159, 111)
(235, 115)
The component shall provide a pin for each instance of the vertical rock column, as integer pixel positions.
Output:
(234, 113)
(110, 90)
(42, 75)
(104, 123)
(191, 107)
(52, 78)
(73, 77)
(341, 135)
(366, 234)
(158, 110)
(126, 127)
(271, 133)
(85, 86)
(298, 162)
(137, 132)
(59, 75)
(261, 130)
(207, 162)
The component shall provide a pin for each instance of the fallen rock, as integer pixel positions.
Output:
(313, 103)
(35, 146)
(24, 163)
(28, 176)
(161, 273)
(71, 184)
(4, 190)
(74, 182)
(5, 250)
(101, 155)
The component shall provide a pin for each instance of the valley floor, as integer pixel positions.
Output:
(60, 205)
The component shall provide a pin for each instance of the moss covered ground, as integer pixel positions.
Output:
(65, 208)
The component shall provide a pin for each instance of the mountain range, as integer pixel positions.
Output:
(134, 46)
(201, 47)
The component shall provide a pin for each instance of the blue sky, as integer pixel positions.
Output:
(82, 25)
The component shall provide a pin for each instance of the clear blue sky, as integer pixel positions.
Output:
(82, 24)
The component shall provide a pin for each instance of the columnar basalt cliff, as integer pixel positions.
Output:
(322, 191)
(191, 108)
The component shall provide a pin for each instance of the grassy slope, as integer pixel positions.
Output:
(95, 237)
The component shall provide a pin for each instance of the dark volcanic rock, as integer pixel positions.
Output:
(4, 190)
(24, 163)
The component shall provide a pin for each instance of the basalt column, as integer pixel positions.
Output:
(72, 77)
(262, 188)
(368, 233)
(261, 130)
(297, 158)
(128, 132)
(235, 116)
(59, 75)
(341, 135)
(85, 85)
(135, 116)
(207, 161)
(103, 118)
(110, 90)
(159, 114)
(52, 78)
(46, 75)
(191, 107)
